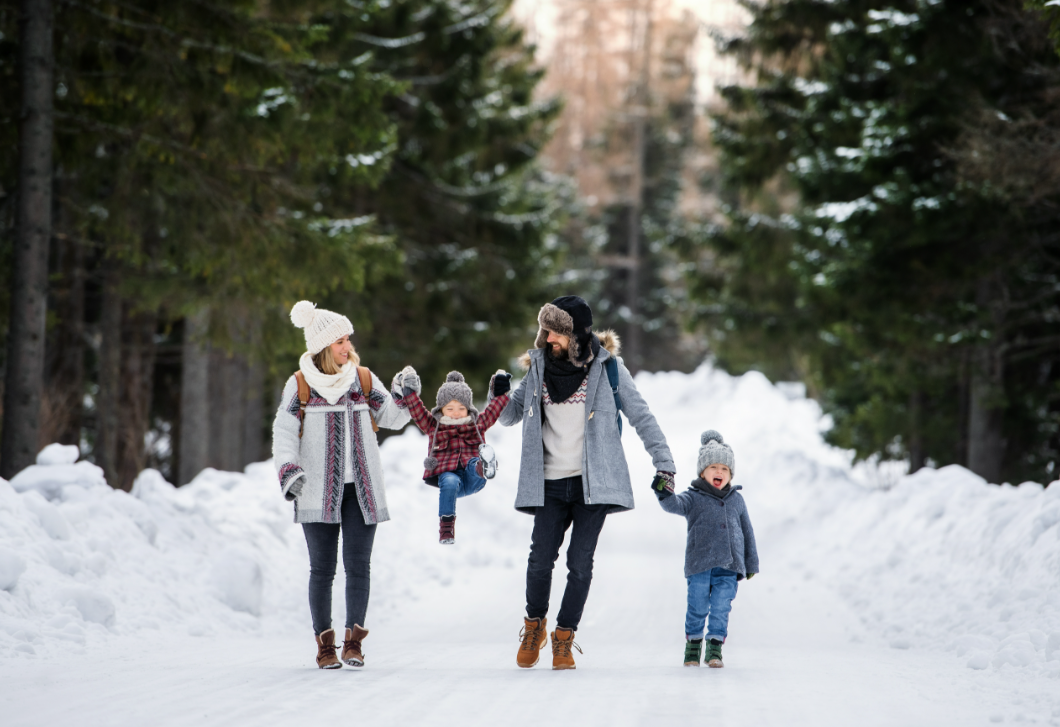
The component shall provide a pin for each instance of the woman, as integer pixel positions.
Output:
(327, 458)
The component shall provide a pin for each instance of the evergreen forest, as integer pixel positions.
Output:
(878, 215)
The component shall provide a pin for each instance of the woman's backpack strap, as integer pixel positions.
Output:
(366, 388)
(303, 399)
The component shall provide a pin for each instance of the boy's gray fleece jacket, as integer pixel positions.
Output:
(719, 530)
(605, 475)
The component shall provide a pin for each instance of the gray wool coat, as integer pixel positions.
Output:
(605, 475)
(719, 530)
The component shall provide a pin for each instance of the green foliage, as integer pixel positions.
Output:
(886, 271)
(464, 200)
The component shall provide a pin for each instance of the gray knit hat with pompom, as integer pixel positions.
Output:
(714, 451)
(454, 389)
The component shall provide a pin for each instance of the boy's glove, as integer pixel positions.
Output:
(751, 575)
(500, 384)
(295, 491)
(663, 484)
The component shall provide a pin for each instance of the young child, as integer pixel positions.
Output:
(456, 463)
(720, 549)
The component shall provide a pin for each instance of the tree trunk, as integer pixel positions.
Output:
(62, 408)
(986, 446)
(194, 437)
(917, 456)
(24, 380)
(227, 411)
(137, 382)
(254, 405)
(108, 397)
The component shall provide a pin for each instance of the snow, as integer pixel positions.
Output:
(931, 601)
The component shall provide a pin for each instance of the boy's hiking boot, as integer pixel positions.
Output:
(447, 530)
(714, 654)
(351, 646)
(486, 467)
(534, 637)
(693, 651)
(326, 658)
(562, 641)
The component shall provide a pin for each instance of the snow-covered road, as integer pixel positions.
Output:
(449, 658)
(935, 603)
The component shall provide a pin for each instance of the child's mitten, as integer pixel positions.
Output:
(397, 384)
(411, 381)
(663, 484)
(500, 384)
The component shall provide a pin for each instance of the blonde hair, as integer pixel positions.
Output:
(326, 363)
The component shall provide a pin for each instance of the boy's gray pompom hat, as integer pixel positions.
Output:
(454, 389)
(714, 451)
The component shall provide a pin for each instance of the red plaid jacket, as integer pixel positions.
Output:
(452, 445)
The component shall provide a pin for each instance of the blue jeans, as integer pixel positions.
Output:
(710, 595)
(460, 483)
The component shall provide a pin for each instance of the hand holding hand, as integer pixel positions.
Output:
(500, 383)
(410, 381)
(663, 484)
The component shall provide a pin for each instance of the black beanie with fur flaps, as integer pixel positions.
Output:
(571, 316)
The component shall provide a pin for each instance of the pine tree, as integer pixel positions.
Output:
(897, 289)
(464, 200)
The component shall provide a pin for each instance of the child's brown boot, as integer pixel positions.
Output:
(447, 530)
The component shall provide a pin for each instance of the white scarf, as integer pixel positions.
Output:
(332, 386)
(449, 421)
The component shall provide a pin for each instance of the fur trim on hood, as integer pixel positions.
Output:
(608, 339)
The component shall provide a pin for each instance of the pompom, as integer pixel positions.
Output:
(303, 313)
(711, 436)
(454, 376)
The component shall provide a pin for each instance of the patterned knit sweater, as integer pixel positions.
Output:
(337, 442)
(563, 432)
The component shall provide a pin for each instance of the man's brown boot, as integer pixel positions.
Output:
(562, 641)
(351, 646)
(326, 658)
(535, 637)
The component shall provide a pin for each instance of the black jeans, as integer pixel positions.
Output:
(323, 542)
(564, 505)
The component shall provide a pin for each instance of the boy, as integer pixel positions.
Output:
(720, 549)
(456, 463)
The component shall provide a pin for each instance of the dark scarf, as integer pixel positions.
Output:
(703, 486)
(563, 376)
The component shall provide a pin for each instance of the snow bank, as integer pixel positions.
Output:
(939, 561)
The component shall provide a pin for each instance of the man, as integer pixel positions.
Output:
(573, 469)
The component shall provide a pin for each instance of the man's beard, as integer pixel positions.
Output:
(563, 354)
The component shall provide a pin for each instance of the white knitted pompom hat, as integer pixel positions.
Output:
(714, 451)
(322, 327)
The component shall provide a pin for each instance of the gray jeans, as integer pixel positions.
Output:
(323, 542)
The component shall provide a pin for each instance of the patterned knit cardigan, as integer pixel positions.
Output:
(335, 435)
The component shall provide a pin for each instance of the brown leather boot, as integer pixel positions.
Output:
(351, 646)
(326, 658)
(535, 637)
(562, 641)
